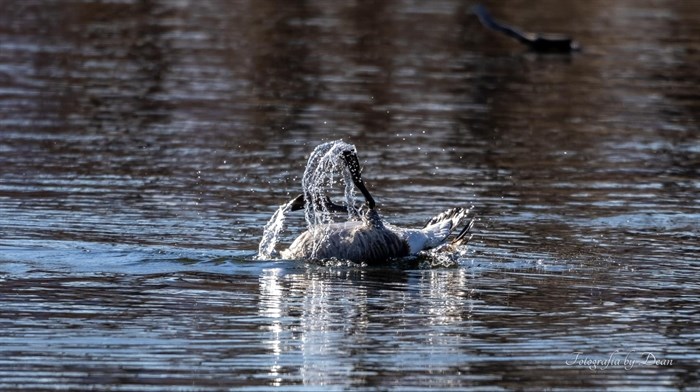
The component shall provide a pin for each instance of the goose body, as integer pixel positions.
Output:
(365, 238)
(372, 241)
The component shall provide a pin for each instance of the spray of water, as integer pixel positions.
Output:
(324, 169)
(266, 248)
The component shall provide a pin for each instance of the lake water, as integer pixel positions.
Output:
(145, 144)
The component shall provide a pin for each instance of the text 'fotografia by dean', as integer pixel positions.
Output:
(618, 358)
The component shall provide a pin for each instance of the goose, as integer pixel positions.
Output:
(368, 239)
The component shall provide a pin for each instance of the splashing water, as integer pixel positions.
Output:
(324, 167)
(266, 248)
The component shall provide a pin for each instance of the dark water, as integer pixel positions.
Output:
(144, 145)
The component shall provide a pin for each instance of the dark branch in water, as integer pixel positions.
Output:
(537, 42)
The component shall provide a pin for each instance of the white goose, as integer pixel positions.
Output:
(369, 239)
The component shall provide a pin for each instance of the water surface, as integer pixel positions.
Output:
(145, 144)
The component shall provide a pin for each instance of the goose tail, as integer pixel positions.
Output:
(465, 235)
(441, 226)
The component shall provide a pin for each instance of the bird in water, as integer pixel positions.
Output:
(367, 238)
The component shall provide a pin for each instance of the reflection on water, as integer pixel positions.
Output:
(311, 325)
(144, 144)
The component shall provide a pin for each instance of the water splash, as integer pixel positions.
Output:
(324, 169)
(266, 248)
(324, 166)
(440, 258)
